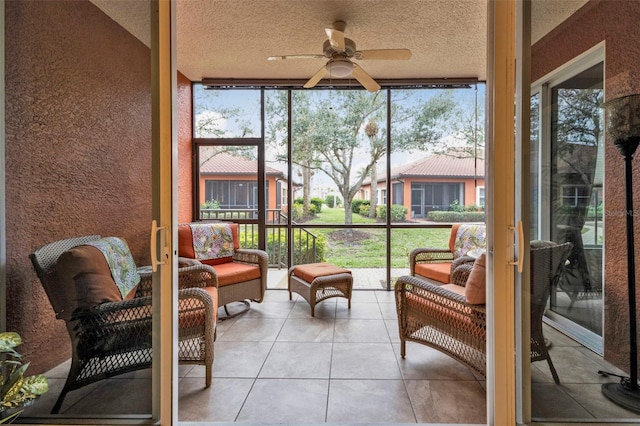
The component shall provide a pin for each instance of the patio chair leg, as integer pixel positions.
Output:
(246, 307)
(553, 370)
(58, 404)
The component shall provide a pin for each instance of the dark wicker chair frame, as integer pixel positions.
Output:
(114, 338)
(439, 318)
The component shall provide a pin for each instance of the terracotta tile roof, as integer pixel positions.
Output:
(440, 165)
(228, 164)
(436, 166)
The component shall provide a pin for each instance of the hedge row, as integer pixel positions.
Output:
(451, 216)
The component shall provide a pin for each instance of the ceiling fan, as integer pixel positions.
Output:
(340, 51)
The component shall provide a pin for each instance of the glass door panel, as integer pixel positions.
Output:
(576, 195)
(573, 185)
(79, 146)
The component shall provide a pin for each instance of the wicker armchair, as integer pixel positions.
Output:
(115, 337)
(548, 260)
(440, 317)
(240, 277)
(436, 265)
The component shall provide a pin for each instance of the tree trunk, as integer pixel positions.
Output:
(306, 191)
(373, 196)
(348, 213)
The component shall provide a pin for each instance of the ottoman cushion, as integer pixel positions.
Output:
(311, 271)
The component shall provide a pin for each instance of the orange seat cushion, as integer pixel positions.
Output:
(232, 273)
(440, 271)
(311, 271)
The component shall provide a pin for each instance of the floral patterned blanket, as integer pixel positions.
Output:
(470, 237)
(123, 268)
(212, 240)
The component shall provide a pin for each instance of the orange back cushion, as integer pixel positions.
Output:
(452, 237)
(185, 244)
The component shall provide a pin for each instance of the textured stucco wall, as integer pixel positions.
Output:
(185, 150)
(78, 149)
(615, 22)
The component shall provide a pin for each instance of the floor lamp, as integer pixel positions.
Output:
(623, 126)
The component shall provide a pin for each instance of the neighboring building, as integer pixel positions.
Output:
(433, 183)
(232, 181)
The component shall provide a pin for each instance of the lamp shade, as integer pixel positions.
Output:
(340, 68)
(623, 117)
(623, 122)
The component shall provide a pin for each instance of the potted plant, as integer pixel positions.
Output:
(16, 389)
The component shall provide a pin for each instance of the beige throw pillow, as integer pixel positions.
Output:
(475, 289)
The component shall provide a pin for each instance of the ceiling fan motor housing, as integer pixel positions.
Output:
(349, 49)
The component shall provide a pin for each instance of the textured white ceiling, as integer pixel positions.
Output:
(232, 38)
(548, 14)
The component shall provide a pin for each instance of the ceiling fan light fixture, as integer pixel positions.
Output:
(340, 68)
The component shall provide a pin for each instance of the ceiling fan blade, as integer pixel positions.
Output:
(336, 38)
(316, 77)
(396, 54)
(364, 79)
(303, 56)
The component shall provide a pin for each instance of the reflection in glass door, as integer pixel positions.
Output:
(576, 200)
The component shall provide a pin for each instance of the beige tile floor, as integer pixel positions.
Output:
(276, 364)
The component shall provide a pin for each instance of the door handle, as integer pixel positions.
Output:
(154, 250)
(520, 255)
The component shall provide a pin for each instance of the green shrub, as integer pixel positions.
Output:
(313, 210)
(591, 212)
(473, 208)
(356, 203)
(297, 212)
(210, 204)
(398, 213)
(316, 201)
(330, 201)
(453, 216)
(456, 206)
(364, 210)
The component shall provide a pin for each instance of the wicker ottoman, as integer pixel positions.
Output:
(319, 281)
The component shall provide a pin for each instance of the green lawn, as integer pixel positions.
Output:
(365, 248)
(336, 215)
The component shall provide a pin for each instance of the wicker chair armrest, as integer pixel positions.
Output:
(255, 256)
(146, 284)
(460, 274)
(107, 309)
(193, 300)
(187, 261)
(461, 260)
(195, 276)
(198, 275)
(436, 297)
(429, 255)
